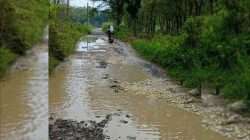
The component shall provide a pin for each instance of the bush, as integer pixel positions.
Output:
(123, 33)
(64, 34)
(204, 53)
(192, 28)
(105, 26)
(63, 38)
(53, 62)
(6, 58)
(237, 87)
(22, 25)
(163, 50)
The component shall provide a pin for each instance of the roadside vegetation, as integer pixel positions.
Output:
(21, 25)
(203, 44)
(64, 33)
(92, 14)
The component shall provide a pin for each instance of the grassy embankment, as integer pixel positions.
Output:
(21, 26)
(205, 53)
(64, 34)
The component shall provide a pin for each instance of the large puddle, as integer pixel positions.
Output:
(81, 90)
(24, 98)
(90, 44)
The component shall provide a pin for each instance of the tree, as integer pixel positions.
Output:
(117, 10)
(133, 7)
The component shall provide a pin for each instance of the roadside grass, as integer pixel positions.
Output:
(22, 25)
(123, 34)
(6, 58)
(203, 54)
(192, 67)
(53, 62)
(63, 38)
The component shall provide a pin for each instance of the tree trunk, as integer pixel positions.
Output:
(217, 90)
(211, 3)
(67, 12)
(200, 89)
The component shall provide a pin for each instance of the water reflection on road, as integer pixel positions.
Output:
(81, 89)
(24, 97)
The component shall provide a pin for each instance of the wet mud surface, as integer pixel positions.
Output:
(24, 97)
(144, 104)
(72, 130)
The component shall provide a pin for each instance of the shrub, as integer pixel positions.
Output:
(63, 38)
(204, 53)
(22, 25)
(123, 33)
(6, 58)
(237, 87)
(105, 26)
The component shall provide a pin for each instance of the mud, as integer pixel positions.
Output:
(111, 78)
(60, 129)
(24, 96)
(213, 109)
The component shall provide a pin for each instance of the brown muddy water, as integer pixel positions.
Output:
(24, 97)
(86, 87)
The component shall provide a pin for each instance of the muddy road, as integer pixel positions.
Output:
(96, 81)
(24, 97)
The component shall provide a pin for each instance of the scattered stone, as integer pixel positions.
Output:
(73, 130)
(117, 88)
(21, 67)
(102, 65)
(115, 81)
(232, 119)
(119, 50)
(189, 101)
(238, 106)
(194, 92)
(228, 129)
(195, 110)
(124, 121)
(241, 136)
(106, 76)
(187, 106)
(173, 90)
(113, 86)
(116, 114)
(105, 121)
(128, 116)
(51, 118)
(131, 138)
(205, 122)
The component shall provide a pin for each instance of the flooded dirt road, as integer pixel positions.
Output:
(24, 97)
(88, 86)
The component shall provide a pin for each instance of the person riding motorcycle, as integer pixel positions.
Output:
(110, 33)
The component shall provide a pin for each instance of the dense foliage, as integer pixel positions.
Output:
(64, 34)
(201, 43)
(83, 14)
(21, 25)
(6, 57)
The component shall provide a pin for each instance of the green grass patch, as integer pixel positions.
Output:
(6, 58)
(203, 54)
(22, 25)
(63, 38)
(53, 62)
